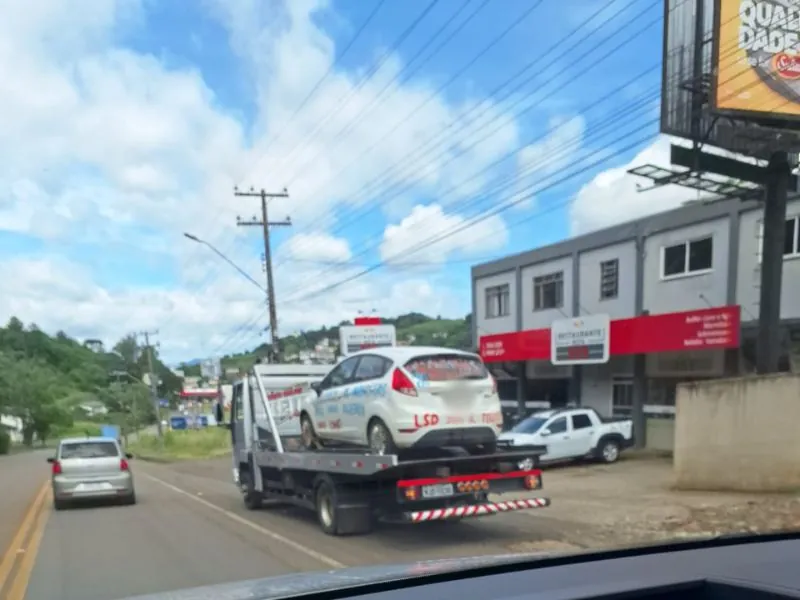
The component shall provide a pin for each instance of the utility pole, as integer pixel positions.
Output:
(265, 224)
(153, 383)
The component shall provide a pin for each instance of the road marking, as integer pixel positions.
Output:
(20, 583)
(254, 526)
(18, 541)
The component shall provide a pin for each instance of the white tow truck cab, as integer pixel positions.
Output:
(348, 487)
(572, 433)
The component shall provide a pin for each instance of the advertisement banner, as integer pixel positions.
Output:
(756, 60)
(704, 329)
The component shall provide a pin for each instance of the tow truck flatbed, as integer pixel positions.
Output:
(349, 488)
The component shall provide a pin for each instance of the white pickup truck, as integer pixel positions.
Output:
(572, 433)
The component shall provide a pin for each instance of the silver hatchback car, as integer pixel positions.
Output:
(92, 468)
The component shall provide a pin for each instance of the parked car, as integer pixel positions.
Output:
(91, 468)
(573, 433)
(400, 397)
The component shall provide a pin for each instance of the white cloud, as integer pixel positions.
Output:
(425, 236)
(119, 151)
(613, 195)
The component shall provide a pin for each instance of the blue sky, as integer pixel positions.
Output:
(202, 96)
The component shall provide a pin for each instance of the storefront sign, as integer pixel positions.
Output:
(710, 328)
(581, 341)
(353, 338)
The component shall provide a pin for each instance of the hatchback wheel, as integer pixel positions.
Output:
(380, 439)
(307, 434)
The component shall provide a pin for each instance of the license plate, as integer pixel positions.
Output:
(93, 487)
(439, 490)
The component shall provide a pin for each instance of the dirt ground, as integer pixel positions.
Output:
(632, 502)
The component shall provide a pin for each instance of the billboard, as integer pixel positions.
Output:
(353, 338)
(581, 341)
(718, 69)
(756, 62)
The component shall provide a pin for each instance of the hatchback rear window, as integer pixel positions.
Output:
(447, 367)
(89, 450)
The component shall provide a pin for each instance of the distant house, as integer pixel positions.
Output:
(13, 425)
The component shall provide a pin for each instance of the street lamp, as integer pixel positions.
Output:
(241, 271)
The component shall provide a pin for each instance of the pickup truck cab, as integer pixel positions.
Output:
(573, 433)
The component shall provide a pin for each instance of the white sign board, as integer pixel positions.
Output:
(353, 338)
(580, 341)
(210, 368)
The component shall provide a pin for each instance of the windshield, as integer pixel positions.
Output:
(322, 269)
(529, 425)
(444, 367)
(89, 450)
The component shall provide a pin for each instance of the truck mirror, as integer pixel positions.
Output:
(219, 414)
(544, 432)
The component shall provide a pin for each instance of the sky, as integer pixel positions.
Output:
(414, 139)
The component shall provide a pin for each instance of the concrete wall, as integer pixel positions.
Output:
(739, 434)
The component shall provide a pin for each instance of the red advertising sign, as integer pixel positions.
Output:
(709, 328)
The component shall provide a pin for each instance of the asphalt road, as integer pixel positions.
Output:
(190, 528)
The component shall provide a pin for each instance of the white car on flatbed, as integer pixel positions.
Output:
(573, 433)
(396, 398)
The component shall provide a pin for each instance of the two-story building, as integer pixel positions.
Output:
(656, 278)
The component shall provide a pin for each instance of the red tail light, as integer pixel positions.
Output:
(401, 383)
(123, 465)
(56, 468)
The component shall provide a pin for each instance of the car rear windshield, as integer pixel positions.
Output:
(89, 450)
(447, 367)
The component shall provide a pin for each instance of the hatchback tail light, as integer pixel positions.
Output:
(402, 383)
(56, 468)
(123, 465)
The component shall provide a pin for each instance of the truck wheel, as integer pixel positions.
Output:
(380, 439)
(325, 503)
(608, 451)
(253, 500)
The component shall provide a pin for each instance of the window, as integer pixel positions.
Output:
(558, 426)
(89, 450)
(371, 367)
(548, 291)
(622, 396)
(447, 367)
(238, 405)
(341, 374)
(498, 301)
(687, 257)
(791, 241)
(581, 422)
(609, 279)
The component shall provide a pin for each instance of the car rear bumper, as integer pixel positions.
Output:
(456, 436)
(78, 488)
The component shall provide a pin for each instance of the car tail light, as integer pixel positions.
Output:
(123, 465)
(402, 383)
(56, 468)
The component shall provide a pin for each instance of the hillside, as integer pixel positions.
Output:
(414, 328)
(47, 380)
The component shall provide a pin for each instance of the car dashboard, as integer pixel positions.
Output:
(735, 569)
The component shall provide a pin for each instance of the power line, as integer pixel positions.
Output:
(318, 84)
(423, 154)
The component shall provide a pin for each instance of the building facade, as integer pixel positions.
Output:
(658, 279)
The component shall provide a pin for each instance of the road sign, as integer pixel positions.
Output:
(580, 341)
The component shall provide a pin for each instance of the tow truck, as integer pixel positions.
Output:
(349, 488)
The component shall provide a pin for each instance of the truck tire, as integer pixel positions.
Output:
(253, 500)
(338, 514)
(608, 450)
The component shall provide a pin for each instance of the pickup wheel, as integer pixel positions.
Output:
(608, 451)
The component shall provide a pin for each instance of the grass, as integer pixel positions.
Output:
(209, 442)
